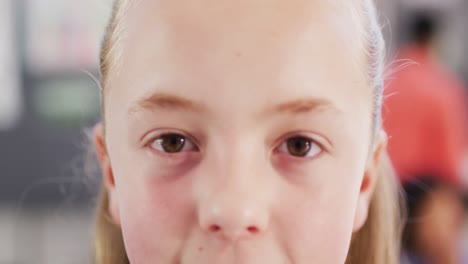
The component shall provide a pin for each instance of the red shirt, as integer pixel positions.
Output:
(424, 116)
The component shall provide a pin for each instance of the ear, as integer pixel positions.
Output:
(106, 168)
(369, 181)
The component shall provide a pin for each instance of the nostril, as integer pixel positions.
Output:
(215, 228)
(253, 229)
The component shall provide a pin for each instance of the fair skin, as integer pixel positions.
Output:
(238, 132)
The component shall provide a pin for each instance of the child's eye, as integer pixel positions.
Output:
(300, 147)
(173, 143)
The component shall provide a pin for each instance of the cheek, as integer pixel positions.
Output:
(155, 216)
(317, 216)
(318, 224)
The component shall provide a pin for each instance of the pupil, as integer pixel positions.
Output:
(299, 146)
(173, 143)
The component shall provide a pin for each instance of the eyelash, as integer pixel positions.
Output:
(313, 148)
(282, 148)
(187, 143)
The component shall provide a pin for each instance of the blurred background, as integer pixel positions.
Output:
(49, 98)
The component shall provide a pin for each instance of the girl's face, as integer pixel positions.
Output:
(238, 132)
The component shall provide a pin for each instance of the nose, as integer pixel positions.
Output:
(233, 217)
(234, 193)
(234, 199)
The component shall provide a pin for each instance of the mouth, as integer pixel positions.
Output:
(233, 258)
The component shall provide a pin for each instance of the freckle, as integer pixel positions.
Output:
(238, 54)
(200, 249)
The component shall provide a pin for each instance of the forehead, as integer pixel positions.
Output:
(233, 44)
(212, 27)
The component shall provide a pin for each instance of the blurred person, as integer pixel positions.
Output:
(244, 132)
(424, 110)
(433, 233)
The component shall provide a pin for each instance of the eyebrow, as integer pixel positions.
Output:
(165, 101)
(171, 102)
(302, 106)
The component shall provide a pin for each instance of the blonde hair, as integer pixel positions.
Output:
(376, 242)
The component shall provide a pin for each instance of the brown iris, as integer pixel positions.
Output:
(172, 143)
(299, 146)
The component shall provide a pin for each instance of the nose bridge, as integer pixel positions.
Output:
(234, 197)
(238, 160)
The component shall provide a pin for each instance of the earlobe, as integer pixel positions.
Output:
(113, 207)
(362, 211)
(364, 199)
(106, 169)
(102, 155)
(369, 182)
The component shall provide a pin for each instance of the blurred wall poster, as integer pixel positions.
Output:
(64, 35)
(10, 93)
